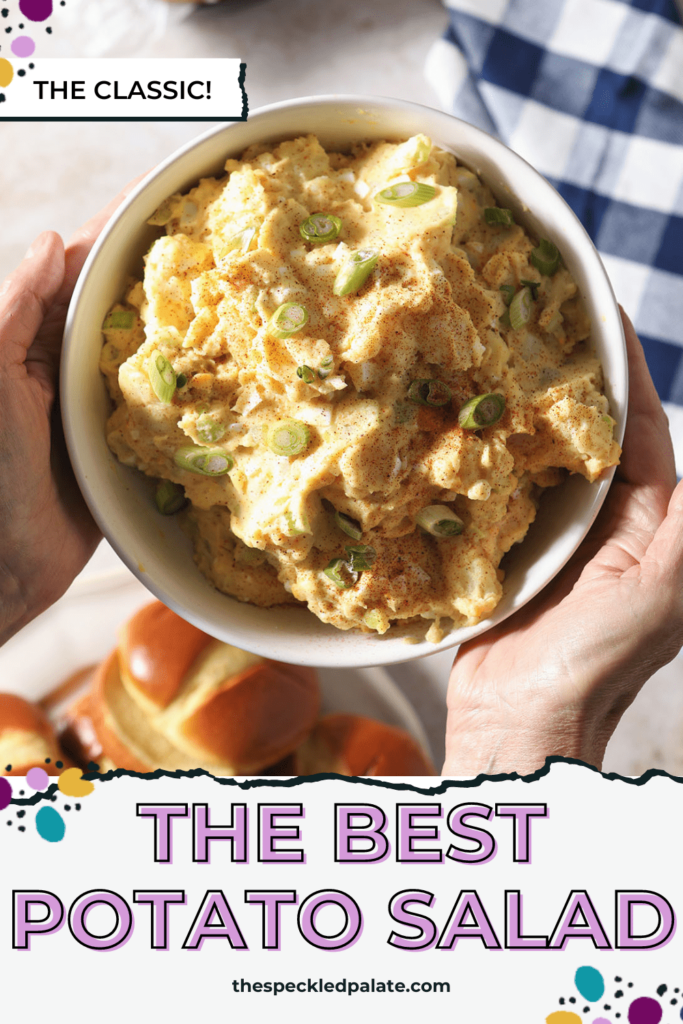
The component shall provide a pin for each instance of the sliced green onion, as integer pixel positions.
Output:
(508, 293)
(499, 215)
(169, 497)
(208, 430)
(288, 437)
(205, 461)
(239, 242)
(350, 526)
(376, 620)
(482, 411)
(320, 227)
(306, 374)
(361, 557)
(287, 319)
(546, 257)
(326, 367)
(341, 574)
(534, 285)
(429, 392)
(163, 213)
(296, 526)
(440, 521)
(406, 193)
(181, 380)
(355, 271)
(520, 309)
(119, 320)
(161, 376)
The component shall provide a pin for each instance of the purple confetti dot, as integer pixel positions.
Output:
(601, 1020)
(5, 793)
(36, 10)
(23, 46)
(644, 1011)
(37, 778)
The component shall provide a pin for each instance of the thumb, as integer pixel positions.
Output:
(25, 299)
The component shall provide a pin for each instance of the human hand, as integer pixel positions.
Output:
(556, 677)
(46, 532)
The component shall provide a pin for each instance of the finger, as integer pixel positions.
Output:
(27, 295)
(648, 459)
(663, 563)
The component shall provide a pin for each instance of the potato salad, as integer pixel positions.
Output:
(354, 373)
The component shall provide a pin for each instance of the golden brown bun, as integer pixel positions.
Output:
(353, 745)
(172, 697)
(27, 740)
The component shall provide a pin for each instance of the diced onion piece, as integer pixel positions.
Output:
(546, 257)
(429, 392)
(119, 320)
(288, 437)
(377, 620)
(306, 374)
(296, 526)
(499, 215)
(440, 521)
(208, 430)
(205, 461)
(240, 242)
(287, 319)
(361, 557)
(520, 309)
(169, 497)
(355, 271)
(320, 227)
(350, 527)
(406, 193)
(161, 376)
(481, 411)
(341, 574)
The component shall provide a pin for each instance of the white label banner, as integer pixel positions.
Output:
(500, 901)
(127, 89)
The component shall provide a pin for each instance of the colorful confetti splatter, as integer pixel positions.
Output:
(36, 10)
(23, 46)
(37, 778)
(590, 984)
(50, 824)
(72, 783)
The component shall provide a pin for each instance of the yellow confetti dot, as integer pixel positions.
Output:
(563, 1017)
(72, 783)
(6, 72)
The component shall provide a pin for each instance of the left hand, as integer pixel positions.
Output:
(46, 532)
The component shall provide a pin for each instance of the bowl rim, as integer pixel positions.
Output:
(371, 651)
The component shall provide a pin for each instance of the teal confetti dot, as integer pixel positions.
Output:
(50, 824)
(590, 983)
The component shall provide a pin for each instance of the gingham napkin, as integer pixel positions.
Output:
(590, 92)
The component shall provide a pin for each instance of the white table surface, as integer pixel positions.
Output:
(55, 175)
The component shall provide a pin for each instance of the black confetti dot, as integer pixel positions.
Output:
(5, 12)
(618, 994)
(59, 764)
(31, 66)
(617, 979)
(47, 760)
(561, 1000)
(673, 1002)
(661, 990)
(67, 807)
(9, 822)
(21, 72)
(8, 767)
(53, 798)
(617, 1015)
(586, 1009)
(78, 807)
(21, 814)
(607, 1006)
(571, 999)
(21, 26)
(8, 29)
(21, 792)
(22, 828)
(48, 30)
(630, 984)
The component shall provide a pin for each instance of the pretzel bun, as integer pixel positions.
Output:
(172, 697)
(27, 740)
(353, 745)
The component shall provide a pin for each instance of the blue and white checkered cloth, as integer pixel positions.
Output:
(590, 92)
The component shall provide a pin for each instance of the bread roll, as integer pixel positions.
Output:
(172, 697)
(353, 745)
(27, 740)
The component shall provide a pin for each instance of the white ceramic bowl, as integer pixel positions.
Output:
(120, 499)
